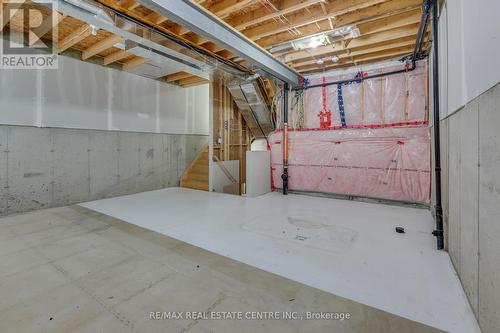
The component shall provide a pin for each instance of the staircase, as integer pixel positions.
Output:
(196, 175)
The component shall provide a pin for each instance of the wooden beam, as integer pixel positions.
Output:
(129, 4)
(194, 38)
(389, 35)
(351, 57)
(116, 56)
(297, 19)
(372, 57)
(177, 76)
(212, 47)
(98, 47)
(348, 53)
(372, 27)
(156, 18)
(264, 13)
(361, 16)
(12, 7)
(191, 79)
(225, 54)
(195, 84)
(224, 8)
(74, 38)
(391, 22)
(50, 23)
(174, 32)
(132, 63)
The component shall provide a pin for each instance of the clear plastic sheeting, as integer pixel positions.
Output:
(381, 150)
(387, 163)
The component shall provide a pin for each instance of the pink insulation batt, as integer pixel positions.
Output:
(383, 151)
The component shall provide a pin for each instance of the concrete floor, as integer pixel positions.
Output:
(71, 269)
(347, 248)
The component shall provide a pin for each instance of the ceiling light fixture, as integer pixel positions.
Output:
(320, 62)
(324, 38)
(311, 42)
(335, 58)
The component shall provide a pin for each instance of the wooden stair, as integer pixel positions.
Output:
(196, 175)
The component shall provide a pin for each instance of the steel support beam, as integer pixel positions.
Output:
(203, 23)
(185, 63)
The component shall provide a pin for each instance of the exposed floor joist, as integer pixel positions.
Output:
(385, 25)
(207, 26)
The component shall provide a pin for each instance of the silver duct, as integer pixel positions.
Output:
(249, 98)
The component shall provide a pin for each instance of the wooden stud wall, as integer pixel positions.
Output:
(229, 125)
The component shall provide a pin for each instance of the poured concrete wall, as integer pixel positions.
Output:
(48, 167)
(471, 191)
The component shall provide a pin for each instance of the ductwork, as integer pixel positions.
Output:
(251, 99)
(158, 65)
(92, 9)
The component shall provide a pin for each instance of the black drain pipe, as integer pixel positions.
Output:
(284, 176)
(439, 233)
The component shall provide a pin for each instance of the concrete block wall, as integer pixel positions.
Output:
(471, 191)
(49, 167)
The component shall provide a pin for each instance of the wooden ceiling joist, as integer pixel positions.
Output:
(362, 16)
(262, 14)
(195, 84)
(156, 18)
(363, 54)
(224, 8)
(116, 56)
(298, 19)
(49, 23)
(191, 81)
(12, 7)
(129, 4)
(132, 63)
(374, 39)
(191, 38)
(281, 21)
(388, 27)
(348, 53)
(101, 46)
(376, 26)
(75, 37)
(368, 58)
(177, 76)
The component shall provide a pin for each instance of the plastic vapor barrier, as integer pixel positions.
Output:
(368, 138)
